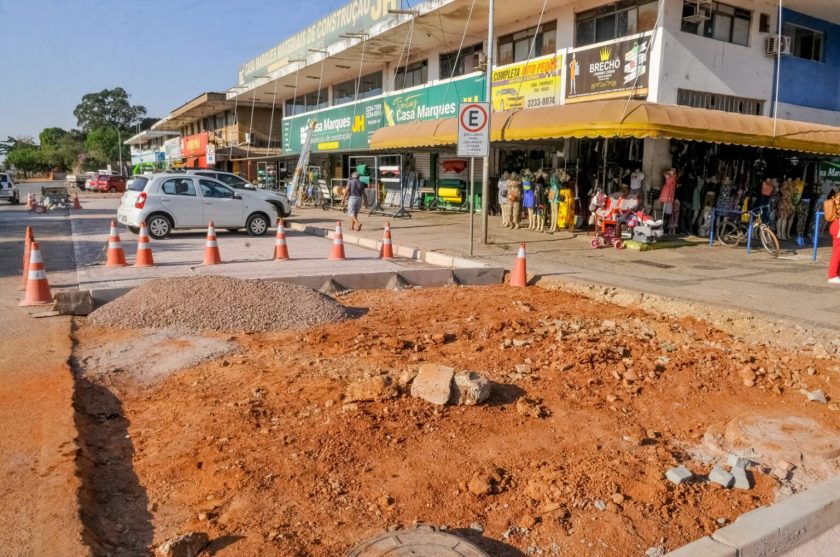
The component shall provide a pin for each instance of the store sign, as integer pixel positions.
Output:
(609, 70)
(194, 145)
(351, 126)
(829, 171)
(528, 84)
(474, 130)
(172, 148)
(355, 16)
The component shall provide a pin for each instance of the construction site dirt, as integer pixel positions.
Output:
(255, 442)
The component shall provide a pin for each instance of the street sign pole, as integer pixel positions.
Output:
(473, 141)
(472, 203)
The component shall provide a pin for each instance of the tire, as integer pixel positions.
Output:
(159, 226)
(14, 201)
(134, 230)
(257, 224)
(769, 240)
(112, 189)
(729, 234)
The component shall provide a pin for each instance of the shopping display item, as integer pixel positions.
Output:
(504, 204)
(514, 199)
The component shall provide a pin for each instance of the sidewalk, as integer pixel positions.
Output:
(791, 287)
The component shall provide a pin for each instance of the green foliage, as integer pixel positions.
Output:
(102, 146)
(50, 136)
(108, 107)
(26, 157)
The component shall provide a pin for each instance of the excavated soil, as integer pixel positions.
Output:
(260, 449)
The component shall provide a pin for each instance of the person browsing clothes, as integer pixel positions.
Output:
(353, 197)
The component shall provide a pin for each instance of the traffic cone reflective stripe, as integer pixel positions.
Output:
(518, 276)
(211, 252)
(281, 250)
(144, 249)
(27, 249)
(337, 252)
(37, 287)
(387, 251)
(116, 255)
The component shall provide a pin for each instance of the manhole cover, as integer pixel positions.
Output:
(652, 264)
(421, 541)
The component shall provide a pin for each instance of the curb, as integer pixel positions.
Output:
(773, 530)
(408, 252)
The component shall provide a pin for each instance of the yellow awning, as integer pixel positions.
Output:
(430, 133)
(620, 118)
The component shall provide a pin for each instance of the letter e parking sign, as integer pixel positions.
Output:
(474, 129)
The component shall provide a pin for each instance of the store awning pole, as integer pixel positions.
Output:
(485, 176)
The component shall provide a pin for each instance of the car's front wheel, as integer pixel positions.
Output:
(15, 200)
(159, 226)
(257, 224)
(112, 189)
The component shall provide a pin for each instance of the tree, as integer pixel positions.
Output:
(108, 107)
(51, 136)
(147, 123)
(102, 146)
(26, 157)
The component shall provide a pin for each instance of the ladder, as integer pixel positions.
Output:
(298, 179)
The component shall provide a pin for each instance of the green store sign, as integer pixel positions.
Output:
(829, 171)
(351, 126)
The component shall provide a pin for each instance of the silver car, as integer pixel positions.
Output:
(8, 190)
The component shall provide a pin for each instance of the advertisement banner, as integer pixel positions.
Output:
(610, 70)
(194, 145)
(350, 127)
(528, 84)
(355, 16)
(172, 148)
(829, 171)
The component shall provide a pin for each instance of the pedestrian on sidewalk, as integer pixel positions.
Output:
(834, 229)
(353, 197)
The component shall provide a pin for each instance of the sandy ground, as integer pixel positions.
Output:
(259, 448)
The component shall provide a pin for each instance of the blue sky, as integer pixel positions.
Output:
(163, 53)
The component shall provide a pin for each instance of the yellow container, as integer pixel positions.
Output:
(452, 195)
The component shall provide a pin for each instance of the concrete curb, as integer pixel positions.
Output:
(773, 530)
(408, 252)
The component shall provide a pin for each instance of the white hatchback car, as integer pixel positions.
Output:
(8, 190)
(169, 201)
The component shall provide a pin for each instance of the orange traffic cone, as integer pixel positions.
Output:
(37, 287)
(281, 250)
(518, 277)
(116, 255)
(27, 248)
(76, 203)
(144, 249)
(387, 251)
(337, 252)
(211, 252)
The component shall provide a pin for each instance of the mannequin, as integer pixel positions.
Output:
(566, 209)
(803, 204)
(514, 199)
(668, 193)
(785, 209)
(528, 198)
(539, 202)
(504, 205)
(554, 201)
(637, 179)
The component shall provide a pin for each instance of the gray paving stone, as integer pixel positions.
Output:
(679, 475)
(721, 477)
(743, 478)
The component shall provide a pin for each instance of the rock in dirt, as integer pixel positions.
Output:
(531, 407)
(224, 304)
(376, 388)
(433, 383)
(817, 396)
(469, 388)
(188, 545)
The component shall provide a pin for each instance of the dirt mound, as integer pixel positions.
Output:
(220, 304)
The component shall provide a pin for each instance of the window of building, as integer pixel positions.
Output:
(724, 103)
(412, 75)
(805, 43)
(620, 19)
(452, 64)
(716, 20)
(230, 119)
(307, 102)
(516, 47)
(369, 86)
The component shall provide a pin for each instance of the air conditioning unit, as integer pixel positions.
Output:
(771, 46)
(248, 138)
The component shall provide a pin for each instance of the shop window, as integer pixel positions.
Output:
(412, 75)
(530, 43)
(452, 64)
(716, 20)
(620, 19)
(369, 86)
(805, 43)
(716, 101)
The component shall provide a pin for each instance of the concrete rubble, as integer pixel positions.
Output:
(469, 388)
(187, 545)
(679, 475)
(721, 477)
(440, 385)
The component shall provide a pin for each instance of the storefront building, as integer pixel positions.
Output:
(148, 150)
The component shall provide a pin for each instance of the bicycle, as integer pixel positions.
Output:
(310, 195)
(734, 233)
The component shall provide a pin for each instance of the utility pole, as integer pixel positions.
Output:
(119, 145)
(488, 86)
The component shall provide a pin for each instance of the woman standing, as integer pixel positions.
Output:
(834, 263)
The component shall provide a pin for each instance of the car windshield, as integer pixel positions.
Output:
(137, 184)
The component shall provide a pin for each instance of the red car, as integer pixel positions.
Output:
(112, 183)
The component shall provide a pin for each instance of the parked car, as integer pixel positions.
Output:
(176, 201)
(278, 199)
(8, 189)
(108, 183)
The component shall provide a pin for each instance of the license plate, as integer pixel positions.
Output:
(123, 218)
